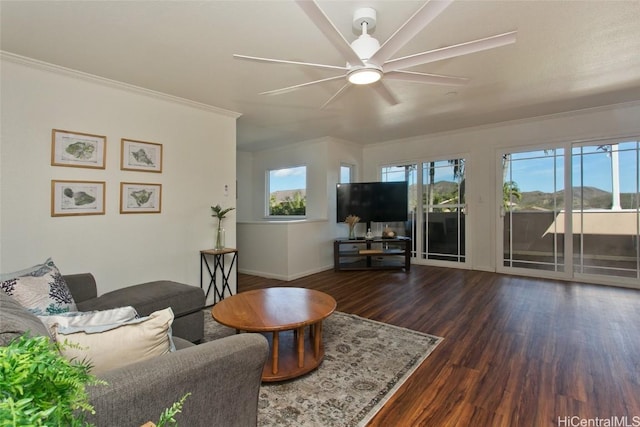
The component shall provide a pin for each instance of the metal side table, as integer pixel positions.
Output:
(218, 257)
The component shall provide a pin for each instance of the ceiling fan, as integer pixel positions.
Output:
(368, 62)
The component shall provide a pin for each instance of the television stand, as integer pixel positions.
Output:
(372, 254)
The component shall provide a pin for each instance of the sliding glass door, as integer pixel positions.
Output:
(437, 208)
(590, 227)
(605, 209)
(443, 211)
(532, 200)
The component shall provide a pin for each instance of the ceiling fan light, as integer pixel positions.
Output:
(364, 76)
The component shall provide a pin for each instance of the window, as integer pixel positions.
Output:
(287, 191)
(346, 173)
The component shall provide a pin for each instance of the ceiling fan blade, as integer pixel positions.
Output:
(427, 13)
(336, 95)
(330, 31)
(385, 93)
(284, 61)
(290, 88)
(451, 51)
(434, 79)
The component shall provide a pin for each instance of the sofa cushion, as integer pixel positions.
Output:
(90, 318)
(16, 321)
(41, 289)
(112, 346)
(149, 297)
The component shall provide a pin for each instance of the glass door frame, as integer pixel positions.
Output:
(500, 215)
(419, 232)
(616, 279)
(568, 273)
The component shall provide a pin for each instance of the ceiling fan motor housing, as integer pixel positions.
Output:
(362, 15)
(365, 46)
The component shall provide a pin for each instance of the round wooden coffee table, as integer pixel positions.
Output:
(282, 315)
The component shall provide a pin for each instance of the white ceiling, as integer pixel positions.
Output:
(569, 55)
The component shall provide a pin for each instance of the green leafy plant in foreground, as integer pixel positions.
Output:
(167, 417)
(39, 387)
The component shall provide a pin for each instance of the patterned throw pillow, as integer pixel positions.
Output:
(41, 289)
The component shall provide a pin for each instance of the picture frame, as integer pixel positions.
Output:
(73, 198)
(140, 156)
(137, 197)
(78, 149)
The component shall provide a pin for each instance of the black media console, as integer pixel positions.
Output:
(372, 254)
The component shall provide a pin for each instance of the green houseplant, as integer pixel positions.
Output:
(39, 387)
(219, 213)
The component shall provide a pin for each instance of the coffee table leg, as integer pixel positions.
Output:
(300, 347)
(317, 338)
(274, 352)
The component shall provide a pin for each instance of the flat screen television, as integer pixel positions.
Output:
(373, 201)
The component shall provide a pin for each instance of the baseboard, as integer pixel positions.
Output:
(262, 274)
(310, 272)
(283, 277)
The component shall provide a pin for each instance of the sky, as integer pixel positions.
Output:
(532, 171)
(592, 167)
(288, 179)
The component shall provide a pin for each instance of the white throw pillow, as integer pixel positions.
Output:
(41, 289)
(108, 347)
(90, 318)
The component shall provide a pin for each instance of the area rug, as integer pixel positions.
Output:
(365, 363)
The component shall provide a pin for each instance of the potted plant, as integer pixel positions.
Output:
(219, 213)
(39, 387)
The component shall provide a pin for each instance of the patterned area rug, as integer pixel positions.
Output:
(365, 362)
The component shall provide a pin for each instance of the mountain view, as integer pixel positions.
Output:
(593, 198)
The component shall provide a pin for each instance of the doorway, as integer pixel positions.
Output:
(586, 228)
(437, 222)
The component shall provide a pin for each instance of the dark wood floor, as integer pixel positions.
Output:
(517, 351)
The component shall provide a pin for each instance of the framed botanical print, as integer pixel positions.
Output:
(77, 149)
(138, 197)
(70, 198)
(140, 156)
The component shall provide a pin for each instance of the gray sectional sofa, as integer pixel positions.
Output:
(223, 376)
(186, 301)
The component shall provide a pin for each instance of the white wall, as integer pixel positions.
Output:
(244, 168)
(199, 159)
(284, 250)
(312, 154)
(481, 146)
(287, 250)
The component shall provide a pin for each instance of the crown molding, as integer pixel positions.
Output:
(515, 122)
(45, 66)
